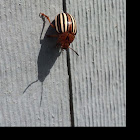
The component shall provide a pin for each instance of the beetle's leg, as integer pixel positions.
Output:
(52, 35)
(47, 19)
(74, 51)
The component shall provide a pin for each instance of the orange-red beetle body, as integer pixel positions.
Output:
(65, 25)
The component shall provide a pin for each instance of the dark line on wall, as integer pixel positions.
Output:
(70, 89)
(64, 6)
(70, 79)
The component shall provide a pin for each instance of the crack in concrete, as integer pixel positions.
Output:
(70, 80)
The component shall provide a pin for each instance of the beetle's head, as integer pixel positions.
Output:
(65, 39)
(65, 45)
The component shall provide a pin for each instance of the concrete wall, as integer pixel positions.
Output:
(89, 90)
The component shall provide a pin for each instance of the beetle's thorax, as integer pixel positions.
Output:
(65, 39)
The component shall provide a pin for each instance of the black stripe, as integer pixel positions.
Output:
(59, 24)
(72, 24)
(63, 22)
(67, 21)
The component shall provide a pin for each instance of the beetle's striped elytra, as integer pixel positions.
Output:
(65, 22)
(65, 25)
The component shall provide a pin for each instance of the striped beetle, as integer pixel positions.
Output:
(66, 27)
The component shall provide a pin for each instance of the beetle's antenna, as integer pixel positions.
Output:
(74, 51)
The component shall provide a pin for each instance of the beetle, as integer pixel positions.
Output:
(65, 25)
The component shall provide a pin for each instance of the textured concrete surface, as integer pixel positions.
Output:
(89, 90)
(99, 74)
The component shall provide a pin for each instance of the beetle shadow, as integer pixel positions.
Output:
(47, 56)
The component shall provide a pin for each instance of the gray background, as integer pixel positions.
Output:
(89, 90)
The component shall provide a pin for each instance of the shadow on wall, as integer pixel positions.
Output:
(48, 53)
(47, 56)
